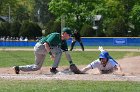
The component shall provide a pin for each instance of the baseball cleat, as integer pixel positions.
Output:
(16, 69)
(53, 70)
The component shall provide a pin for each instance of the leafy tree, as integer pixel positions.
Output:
(135, 20)
(19, 9)
(4, 6)
(75, 12)
(24, 10)
(22, 14)
(41, 11)
(115, 16)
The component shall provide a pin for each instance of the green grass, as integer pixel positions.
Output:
(67, 86)
(11, 58)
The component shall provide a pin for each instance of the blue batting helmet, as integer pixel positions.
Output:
(104, 54)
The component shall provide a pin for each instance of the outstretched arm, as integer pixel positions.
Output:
(118, 70)
(84, 70)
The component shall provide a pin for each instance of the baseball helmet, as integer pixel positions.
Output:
(104, 54)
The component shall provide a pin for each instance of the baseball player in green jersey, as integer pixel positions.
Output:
(50, 44)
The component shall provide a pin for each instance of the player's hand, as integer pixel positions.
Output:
(100, 48)
(52, 57)
(119, 73)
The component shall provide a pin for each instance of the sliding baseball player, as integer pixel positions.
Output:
(105, 64)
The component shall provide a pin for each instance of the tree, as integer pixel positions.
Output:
(114, 19)
(41, 11)
(135, 20)
(17, 9)
(76, 12)
(22, 14)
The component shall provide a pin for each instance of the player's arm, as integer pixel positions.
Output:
(118, 70)
(101, 49)
(92, 65)
(85, 69)
(47, 47)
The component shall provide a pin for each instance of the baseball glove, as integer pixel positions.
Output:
(74, 69)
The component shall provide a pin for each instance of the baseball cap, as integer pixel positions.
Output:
(104, 54)
(67, 30)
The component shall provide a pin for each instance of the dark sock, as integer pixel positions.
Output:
(70, 62)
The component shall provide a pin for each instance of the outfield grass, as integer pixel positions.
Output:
(11, 58)
(67, 86)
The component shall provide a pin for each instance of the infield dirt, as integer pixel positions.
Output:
(130, 67)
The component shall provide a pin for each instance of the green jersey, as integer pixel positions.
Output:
(64, 45)
(53, 39)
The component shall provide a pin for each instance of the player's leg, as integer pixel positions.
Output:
(58, 53)
(72, 45)
(39, 59)
(81, 44)
(40, 54)
(68, 56)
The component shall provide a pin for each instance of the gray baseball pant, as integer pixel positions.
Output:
(40, 54)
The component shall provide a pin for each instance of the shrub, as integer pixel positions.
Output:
(15, 28)
(30, 30)
(4, 29)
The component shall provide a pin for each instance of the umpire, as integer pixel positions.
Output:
(76, 37)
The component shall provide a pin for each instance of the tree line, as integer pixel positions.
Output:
(92, 18)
